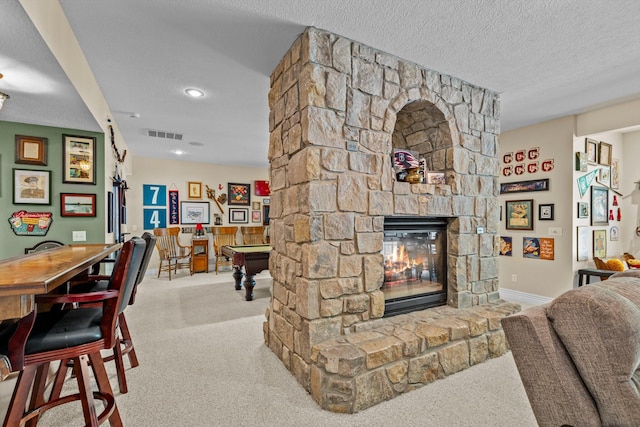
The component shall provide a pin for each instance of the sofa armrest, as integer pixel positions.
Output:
(555, 390)
(599, 325)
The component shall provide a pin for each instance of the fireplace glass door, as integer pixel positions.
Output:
(414, 251)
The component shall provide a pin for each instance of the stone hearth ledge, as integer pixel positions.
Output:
(356, 371)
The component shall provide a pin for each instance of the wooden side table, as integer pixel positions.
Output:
(200, 254)
(588, 272)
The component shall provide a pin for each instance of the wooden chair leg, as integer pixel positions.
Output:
(81, 370)
(102, 380)
(127, 341)
(18, 402)
(118, 359)
(37, 392)
(59, 380)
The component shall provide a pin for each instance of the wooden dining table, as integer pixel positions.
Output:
(24, 277)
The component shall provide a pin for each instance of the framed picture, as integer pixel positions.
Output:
(545, 212)
(599, 205)
(600, 243)
(519, 214)
(591, 148)
(581, 161)
(583, 243)
(31, 187)
(78, 159)
(614, 233)
(435, 178)
(265, 214)
(604, 154)
(255, 206)
(238, 216)
(255, 216)
(506, 245)
(31, 150)
(604, 175)
(195, 190)
(239, 194)
(110, 210)
(266, 201)
(75, 204)
(615, 173)
(583, 210)
(524, 186)
(530, 247)
(194, 212)
(262, 188)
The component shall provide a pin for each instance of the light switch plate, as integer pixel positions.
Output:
(79, 236)
(352, 146)
(555, 231)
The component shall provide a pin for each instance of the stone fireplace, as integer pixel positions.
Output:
(338, 108)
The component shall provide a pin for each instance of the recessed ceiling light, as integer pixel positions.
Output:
(196, 93)
(178, 152)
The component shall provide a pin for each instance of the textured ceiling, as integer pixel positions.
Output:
(547, 59)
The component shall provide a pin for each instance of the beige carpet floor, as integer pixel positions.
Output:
(203, 362)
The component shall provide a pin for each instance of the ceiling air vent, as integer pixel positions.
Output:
(164, 134)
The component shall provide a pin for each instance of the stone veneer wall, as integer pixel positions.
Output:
(337, 109)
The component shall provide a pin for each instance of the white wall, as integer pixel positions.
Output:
(537, 276)
(614, 247)
(176, 174)
(631, 194)
(557, 139)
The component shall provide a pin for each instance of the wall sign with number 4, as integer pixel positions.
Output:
(154, 218)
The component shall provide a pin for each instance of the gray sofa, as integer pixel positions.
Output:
(579, 356)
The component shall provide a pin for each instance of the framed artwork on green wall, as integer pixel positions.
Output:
(31, 187)
(78, 159)
(31, 150)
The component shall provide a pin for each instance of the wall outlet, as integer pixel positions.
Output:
(79, 236)
(555, 231)
(514, 278)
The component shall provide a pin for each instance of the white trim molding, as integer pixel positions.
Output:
(517, 296)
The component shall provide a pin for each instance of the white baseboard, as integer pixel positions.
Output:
(517, 296)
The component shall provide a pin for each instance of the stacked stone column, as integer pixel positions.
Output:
(334, 104)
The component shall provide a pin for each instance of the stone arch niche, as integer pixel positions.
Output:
(337, 109)
(422, 127)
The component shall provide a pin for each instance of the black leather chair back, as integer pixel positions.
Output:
(148, 251)
(129, 282)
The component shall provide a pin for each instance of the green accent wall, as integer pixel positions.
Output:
(62, 227)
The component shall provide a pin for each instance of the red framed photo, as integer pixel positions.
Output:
(75, 204)
(262, 188)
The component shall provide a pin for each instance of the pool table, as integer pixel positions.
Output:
(254, 258)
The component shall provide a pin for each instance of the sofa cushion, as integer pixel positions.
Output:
(599, 325)
(555, 390)
(632, 272)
